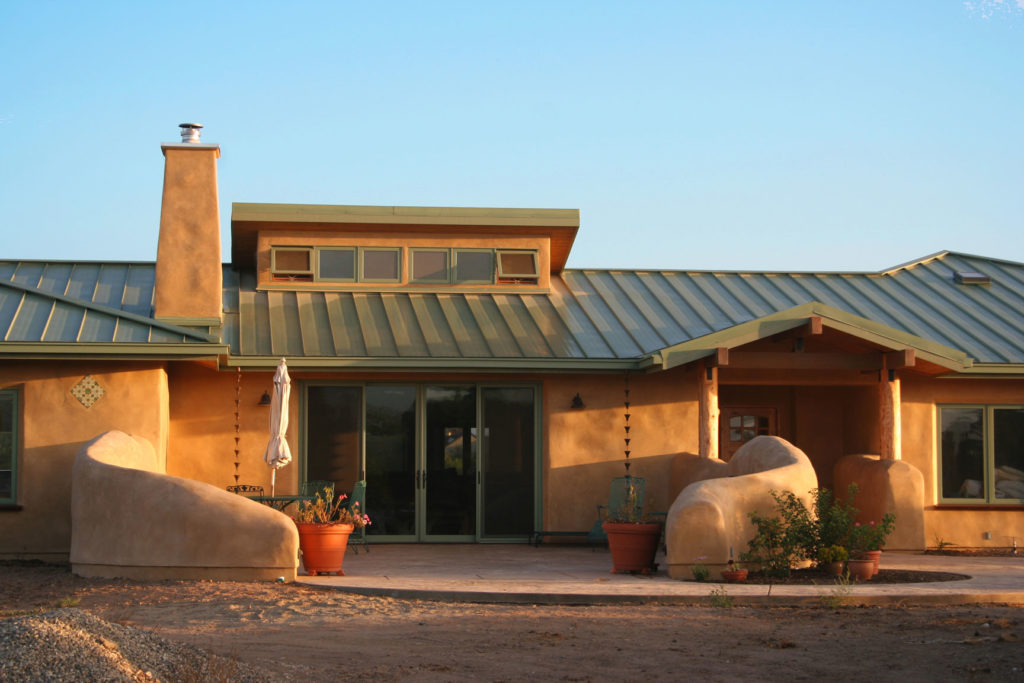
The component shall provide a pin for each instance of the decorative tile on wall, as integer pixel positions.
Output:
(87, 391)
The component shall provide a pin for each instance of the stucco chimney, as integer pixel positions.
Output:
(188, 266)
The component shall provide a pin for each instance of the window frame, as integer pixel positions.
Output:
(449, 266)
(988, 455)
(276, 273)
(455, 266)
(361, 274)
(15, 412)
(502, 275)
(355, 264)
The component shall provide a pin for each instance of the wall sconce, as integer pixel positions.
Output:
(264, 399)
(577, 403)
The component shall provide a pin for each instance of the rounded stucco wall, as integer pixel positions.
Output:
(146, 519)
(709, 522)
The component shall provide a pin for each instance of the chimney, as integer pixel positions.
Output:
(188, 267)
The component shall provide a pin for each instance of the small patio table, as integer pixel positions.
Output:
(279, 503)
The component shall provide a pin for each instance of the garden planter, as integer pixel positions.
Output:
(323, 547)
(874, 556)
(734, 575)
(833, 568)
(633, 546)
(861, 569)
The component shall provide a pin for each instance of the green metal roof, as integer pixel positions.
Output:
(622, 318)
(588, 320)
(86, 308)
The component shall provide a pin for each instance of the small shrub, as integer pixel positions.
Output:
(832, 553)
(840, 594)
(70, 601)
(720, 597)
(700, 572)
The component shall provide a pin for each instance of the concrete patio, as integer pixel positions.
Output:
(580, 575)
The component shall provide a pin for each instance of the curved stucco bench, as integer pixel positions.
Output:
(710, 517)
(129, 519)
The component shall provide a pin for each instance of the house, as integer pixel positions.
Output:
(448, 357)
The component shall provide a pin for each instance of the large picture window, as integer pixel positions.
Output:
(8, 446)
(982, 453)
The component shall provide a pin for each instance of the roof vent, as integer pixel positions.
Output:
(190, 131)
(970, 277)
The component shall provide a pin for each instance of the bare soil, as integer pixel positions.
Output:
(298, 632)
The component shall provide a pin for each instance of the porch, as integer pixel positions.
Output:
(554, 574)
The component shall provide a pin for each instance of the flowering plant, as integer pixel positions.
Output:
(871, 536)
(324, 508)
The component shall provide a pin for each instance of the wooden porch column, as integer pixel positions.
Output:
(708, 432)
(889, 416)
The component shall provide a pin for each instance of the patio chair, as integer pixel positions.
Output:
(358, 537)
(618, 494)
(309, 489)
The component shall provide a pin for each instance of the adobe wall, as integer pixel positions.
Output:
(583, 449)
(54, 425)
(202, 428)
(961, 525)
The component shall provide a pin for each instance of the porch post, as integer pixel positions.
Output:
(708, 431)
(889, 415)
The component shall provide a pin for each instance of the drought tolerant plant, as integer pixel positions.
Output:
(720, 597)
(326, 509)
(700, 572)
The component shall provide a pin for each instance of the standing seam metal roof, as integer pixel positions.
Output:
(619, 315)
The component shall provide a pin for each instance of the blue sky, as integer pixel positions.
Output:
(708, 135)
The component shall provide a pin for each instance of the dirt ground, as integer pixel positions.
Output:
(302, 633)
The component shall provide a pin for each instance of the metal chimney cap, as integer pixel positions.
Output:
(190, 131)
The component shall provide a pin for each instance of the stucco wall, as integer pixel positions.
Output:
(202, 428)
(961, 525)
(54, 425)
(149, 525)
(584, 448)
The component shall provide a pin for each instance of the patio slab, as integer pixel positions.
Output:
(580, 575)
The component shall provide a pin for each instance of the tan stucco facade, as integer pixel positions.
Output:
(55, 424)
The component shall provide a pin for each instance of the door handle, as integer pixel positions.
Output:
(417, 479)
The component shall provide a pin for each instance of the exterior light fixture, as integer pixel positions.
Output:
(577, 403)
(264, 399)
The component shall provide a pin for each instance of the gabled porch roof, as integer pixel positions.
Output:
(814, 317)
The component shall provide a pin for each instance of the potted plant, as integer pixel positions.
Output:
(632, 534)
(831, 559)
(324, 525)
(734, 572)
(868, 539)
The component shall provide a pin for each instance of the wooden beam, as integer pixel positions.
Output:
(719, 357)
(708, 419)
(814, 325)
(807, 378)
(805, 361)
(903, 358)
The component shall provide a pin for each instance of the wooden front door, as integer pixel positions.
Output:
(741, 424)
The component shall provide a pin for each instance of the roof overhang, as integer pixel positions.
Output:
(812, 314)
(419, 364)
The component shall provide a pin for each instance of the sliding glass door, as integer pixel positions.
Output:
(442, 462)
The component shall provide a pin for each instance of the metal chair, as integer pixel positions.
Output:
(358, 496)
(245, 488)
(309, 489)
(622, 489)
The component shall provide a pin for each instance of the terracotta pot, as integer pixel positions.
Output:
(834, 568)
(633, 546)
(323, 547)
(861, 569)
(734, 575)
(873, 555)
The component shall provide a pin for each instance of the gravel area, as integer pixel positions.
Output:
(72, 645)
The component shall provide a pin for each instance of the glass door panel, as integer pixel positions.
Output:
(333, 443)
(507, 461)
(449, 468)
(391, 459)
